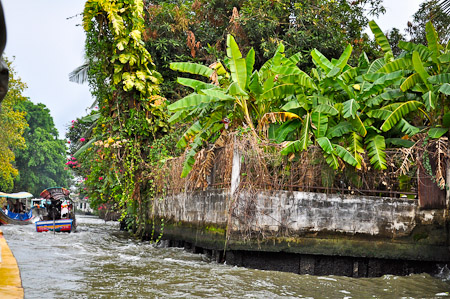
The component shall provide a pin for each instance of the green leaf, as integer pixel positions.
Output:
(84, 147)
(342, 61)
(250, 62)
(194, 84)
(90, 118)
(286, 128)
(320, 122)
(400, 142)
(279, 91)
(325, 144)
(291, 147)
(432, 39)
(437, 133)
(189, 102)
(410, 82)
(332, 161)
(345, 155)
(176, 116)
(349, 74)
(445, 89)
(326, 109)
(385, 96)
(396, 65)
(429, 99)
(238, 65)
(188, 163)
(444, 58)
(254, 85)
(304, 134)
(376, 151)
(358, 125)
(441, 78)
(217, 94)
(376, 65)
(235, 90)
(321, 61)
(286, 70)
(350, 108)
(340, 129)
(402, 110)
(380, 38)
(423, 51)
(189, 134)
(407, 128)
(356, 148)
(420, 69)
(192, 68)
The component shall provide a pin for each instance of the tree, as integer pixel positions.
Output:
(41, 164)
(12, 126)
(433, 11)
(197, 30)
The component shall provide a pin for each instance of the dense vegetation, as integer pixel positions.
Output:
(42, 163)
(296, 79)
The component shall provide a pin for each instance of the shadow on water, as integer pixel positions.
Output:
(99, 261)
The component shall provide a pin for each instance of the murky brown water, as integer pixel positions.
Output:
(98, 261)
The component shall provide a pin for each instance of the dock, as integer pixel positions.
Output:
(10, 281)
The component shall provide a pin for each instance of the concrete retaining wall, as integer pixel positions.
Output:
(307, 223)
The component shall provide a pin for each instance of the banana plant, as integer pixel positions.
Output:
(332, 111)
(425, 85)
(235, 92)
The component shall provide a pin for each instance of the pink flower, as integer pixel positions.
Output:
(73, 158)
(85, 179)
(82, 139)
(68, 142)
(73, 121)
(72, 126)
(100, 178)
(86, 197)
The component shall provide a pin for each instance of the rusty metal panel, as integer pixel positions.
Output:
(430, 195)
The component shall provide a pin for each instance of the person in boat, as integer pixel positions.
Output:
(5, 210)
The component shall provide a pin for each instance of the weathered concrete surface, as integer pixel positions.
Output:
(308, 224)
(10, 281)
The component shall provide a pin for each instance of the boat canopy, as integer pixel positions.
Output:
(56, 193)
(17, 195)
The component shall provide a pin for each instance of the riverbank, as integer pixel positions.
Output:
(10, 281)
(307, 233)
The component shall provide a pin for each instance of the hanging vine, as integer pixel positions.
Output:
(125, 83)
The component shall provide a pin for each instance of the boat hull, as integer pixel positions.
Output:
(60, 225)
(5, 219)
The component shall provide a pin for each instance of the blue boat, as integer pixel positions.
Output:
(13, 211)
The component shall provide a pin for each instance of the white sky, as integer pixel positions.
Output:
(47, 47)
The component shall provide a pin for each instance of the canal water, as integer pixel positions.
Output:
(99, 261)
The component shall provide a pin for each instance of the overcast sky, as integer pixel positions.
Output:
(47, 47)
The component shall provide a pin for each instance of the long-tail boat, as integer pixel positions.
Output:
(13, 210)
(60, 216)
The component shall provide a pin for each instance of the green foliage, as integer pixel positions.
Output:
(196, 31)
(131, 114)
(12, 127)
(41, 163)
